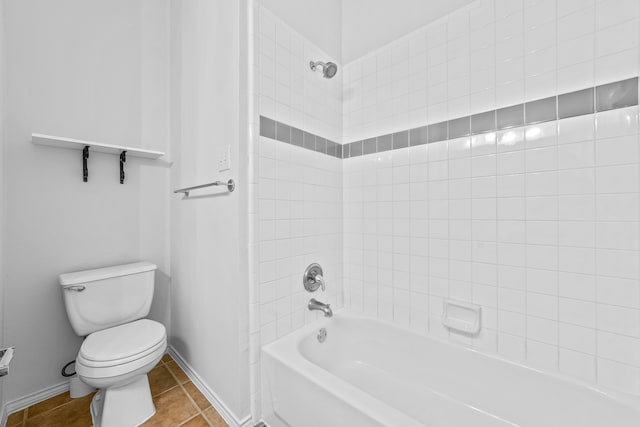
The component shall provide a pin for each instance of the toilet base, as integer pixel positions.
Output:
(125, 406)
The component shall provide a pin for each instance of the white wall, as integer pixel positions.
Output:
(318, 21)
(369, 24)
(538, 225)
(92, 70)
(208, 238)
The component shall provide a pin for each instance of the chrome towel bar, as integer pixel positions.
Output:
(231, 185)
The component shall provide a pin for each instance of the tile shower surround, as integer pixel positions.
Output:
(605, 97)
(554, 322)
(539, 223)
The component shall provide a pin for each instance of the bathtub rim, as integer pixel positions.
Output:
(338, 388)
(286, 349)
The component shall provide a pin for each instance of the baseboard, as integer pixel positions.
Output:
(211, 396)
(54, 390)
(33, 398)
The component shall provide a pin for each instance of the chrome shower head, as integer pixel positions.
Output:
(329, 69)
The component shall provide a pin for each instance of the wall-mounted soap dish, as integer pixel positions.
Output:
(462, 317)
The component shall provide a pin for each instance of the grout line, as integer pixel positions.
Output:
(185, 391)
(557, 196)
(596, 378)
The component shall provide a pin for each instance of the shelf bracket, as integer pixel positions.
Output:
(85, 169)
(123, 158)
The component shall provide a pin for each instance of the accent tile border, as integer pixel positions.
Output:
(610, 96)
(279, 131)
(605, 97)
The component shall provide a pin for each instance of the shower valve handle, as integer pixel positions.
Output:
(319, 279)
(312, 279)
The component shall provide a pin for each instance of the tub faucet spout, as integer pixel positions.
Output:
(314, 304)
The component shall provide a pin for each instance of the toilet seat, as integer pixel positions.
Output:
(121, 349)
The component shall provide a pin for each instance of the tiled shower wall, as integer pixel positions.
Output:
(538, 224)
(289, 91)
(299, 190)
(491, 54)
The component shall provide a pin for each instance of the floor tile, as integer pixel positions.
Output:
(172, 408)
(15, 419)
(49, 404)
(174, 400)
(161, 380)
(198, 421)
(197, 396)
(178, 372)
(214, 418)
(73, 414)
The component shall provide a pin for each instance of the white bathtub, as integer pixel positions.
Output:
(372, 373)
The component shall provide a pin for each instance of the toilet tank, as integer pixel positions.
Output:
(105, 297)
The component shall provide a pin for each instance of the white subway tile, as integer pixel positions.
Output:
(576, 233)
(616, 151)
(576, 312)
(617, 38)
(511, 254)
(511, 277)
(617, 207)
(542, 257)
(576, 155)
(542, 355)
(543, 208)
(543, 306)
(619, 320)
(578, 50)
(576, 76)
(617, 291)
(578, 365)
(541, 159)
(576, 260)
(613, 263)
(618, 235)
(615, 123)
(578, 338)
(577, 24)
(542, 281)
(618, 376)
(617, 179)
(543, 184)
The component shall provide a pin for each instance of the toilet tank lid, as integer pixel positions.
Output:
(78, 277)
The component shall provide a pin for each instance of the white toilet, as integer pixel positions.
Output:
(108, 306)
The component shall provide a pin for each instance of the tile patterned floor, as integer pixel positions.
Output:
(178, 403)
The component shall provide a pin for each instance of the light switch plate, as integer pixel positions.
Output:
(224, 161)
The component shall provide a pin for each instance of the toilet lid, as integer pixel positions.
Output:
(123, 341)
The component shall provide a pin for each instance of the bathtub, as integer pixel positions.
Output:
(372, 373)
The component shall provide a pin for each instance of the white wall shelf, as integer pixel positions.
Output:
(78, 144)
(86, 146)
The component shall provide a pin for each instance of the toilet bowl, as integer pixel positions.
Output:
(108, 306)
(116, 361)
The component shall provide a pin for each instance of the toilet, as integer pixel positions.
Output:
(108, 306)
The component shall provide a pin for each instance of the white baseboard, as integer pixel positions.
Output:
(33, 398)
(211, 396)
